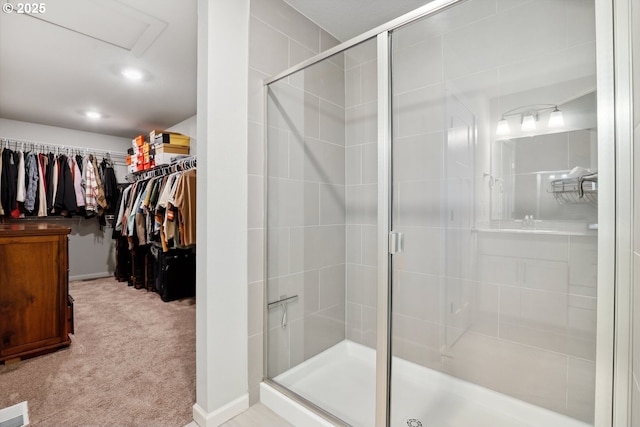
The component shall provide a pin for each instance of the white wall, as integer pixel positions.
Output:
(91, 250)
(188, 127)
(53, 135)
(221, 312)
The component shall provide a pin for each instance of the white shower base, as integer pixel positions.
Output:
(341, 380)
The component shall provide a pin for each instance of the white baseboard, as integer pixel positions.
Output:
(90, 276)
(220, 415)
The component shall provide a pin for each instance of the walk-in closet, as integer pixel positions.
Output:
(98, 172)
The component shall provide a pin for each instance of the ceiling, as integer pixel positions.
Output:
(345, 19)
(58, 65)
(53, 72)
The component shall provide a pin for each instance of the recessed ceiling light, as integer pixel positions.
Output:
(93, 115)
(132, 74)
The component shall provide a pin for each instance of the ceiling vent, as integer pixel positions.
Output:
(106, 20)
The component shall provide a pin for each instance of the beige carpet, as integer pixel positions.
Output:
(131, 363)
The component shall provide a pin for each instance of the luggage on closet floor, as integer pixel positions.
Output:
(175, 274)
(123, 260)
(139, 260)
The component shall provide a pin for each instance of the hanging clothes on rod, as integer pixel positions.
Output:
(116, 158)
(155, 232)
(160, 206)
(39, 182)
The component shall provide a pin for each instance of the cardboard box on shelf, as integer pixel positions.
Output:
(170, 148)
(139, 140)
(171, 138)
(153, 133)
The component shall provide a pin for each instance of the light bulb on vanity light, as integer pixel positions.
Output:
(503, 127)
(555, 119)
(528, 122)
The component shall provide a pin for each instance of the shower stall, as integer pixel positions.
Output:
(433, 211)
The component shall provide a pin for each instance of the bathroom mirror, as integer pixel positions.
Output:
(542, 176)
(525, 180)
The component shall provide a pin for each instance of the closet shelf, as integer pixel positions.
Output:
(575, 190)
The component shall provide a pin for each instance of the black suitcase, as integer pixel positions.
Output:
(122, 271)
(175, 274)
(138, 266)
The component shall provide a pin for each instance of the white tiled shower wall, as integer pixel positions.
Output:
(532, 297)
(306, 218)
(279, 37)
(361, 192)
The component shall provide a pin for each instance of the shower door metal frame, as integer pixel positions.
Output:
(383, 320)
(615, 244)
(615, 149)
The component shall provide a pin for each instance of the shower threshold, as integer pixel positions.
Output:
(341, 380)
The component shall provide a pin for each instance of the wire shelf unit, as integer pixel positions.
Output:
(575, 190)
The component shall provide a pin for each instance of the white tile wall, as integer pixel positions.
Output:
(530, 297)
(423, 110)
(281, 37)
(418, 65)
(494, 363)
(268, 48)
(306, 214)
(331, 123)
(360, 126)
(466, 49)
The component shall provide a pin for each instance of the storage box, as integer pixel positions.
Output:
(154, 132)
(170, 148)
(172, 139)
(139, 140)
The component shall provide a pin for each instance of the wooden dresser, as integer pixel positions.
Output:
(36, 311)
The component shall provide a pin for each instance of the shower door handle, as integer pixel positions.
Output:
(396, 243)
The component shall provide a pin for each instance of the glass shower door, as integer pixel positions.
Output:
(321, 234)
(495, 193)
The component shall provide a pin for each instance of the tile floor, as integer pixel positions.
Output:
(257, 415)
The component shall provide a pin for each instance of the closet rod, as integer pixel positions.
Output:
(183, 164)
(119, 159)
